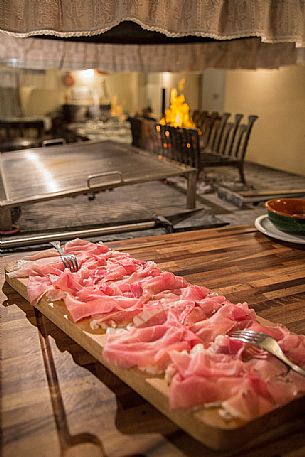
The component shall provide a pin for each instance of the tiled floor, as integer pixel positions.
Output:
(149, 200)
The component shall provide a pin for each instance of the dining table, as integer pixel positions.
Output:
(57, 400)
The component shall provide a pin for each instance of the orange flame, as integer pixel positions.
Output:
(178, 114)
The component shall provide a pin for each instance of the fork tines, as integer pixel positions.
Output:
(248, 336)
(70, 261)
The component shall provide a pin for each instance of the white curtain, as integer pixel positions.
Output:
(270, 20)
(248, 53)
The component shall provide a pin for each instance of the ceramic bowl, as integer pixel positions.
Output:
(288, 214)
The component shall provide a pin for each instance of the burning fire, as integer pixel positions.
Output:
(178, 114)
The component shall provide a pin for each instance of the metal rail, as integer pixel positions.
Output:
(68, 235)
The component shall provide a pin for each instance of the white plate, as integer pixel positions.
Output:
(264, 225)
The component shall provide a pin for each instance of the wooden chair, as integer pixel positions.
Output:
(226, 142)
(208, 124)
(216, 132)
(231, 147)
(199, 117)
(196, 116)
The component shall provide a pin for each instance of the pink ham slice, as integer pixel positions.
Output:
(148, 347)
(57, 283)
(40, 267)
(37, 287)
(96, 280)
(42, 263)
(115, 318)
(218, 374)
(294, 347)
(181, 302)
(277, 332)
(211, 304)
(191, 392)
(83, 246)
(100, 305)
(194, 293)
(146, 270)
(79, 309)
(204, 377)
(246, 404)
(164, 281)
(156, 313)
(227, 318)
(268, 368)
(41, 254)
(223, 344)
(208, 364)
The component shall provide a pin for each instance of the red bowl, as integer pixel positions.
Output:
(287, 213)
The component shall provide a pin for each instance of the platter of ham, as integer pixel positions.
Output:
(168, 339)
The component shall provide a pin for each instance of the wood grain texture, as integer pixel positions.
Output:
(222, 257)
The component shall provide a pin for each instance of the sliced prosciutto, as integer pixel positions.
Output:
(244, 388)
(185, 303)
(104, 304)
(169, 327)
(40, 267)
(148, 347)
(204, 377)
(227, 318)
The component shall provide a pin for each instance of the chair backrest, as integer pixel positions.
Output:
(196, 116)
(208, 126)
(218, 131)
(241, 139)
(228, 136)
(202, 119)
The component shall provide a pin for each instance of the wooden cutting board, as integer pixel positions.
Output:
(206, 425)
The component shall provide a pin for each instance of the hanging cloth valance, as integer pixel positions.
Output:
(248, 53)
(270, 20)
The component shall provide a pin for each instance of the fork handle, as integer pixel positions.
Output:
(292, 365)
(277, 352)
(56, 245)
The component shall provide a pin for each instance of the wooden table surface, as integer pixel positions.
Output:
(57, 401)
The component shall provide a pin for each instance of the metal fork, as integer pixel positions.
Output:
(267, 343)
(69, 260)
